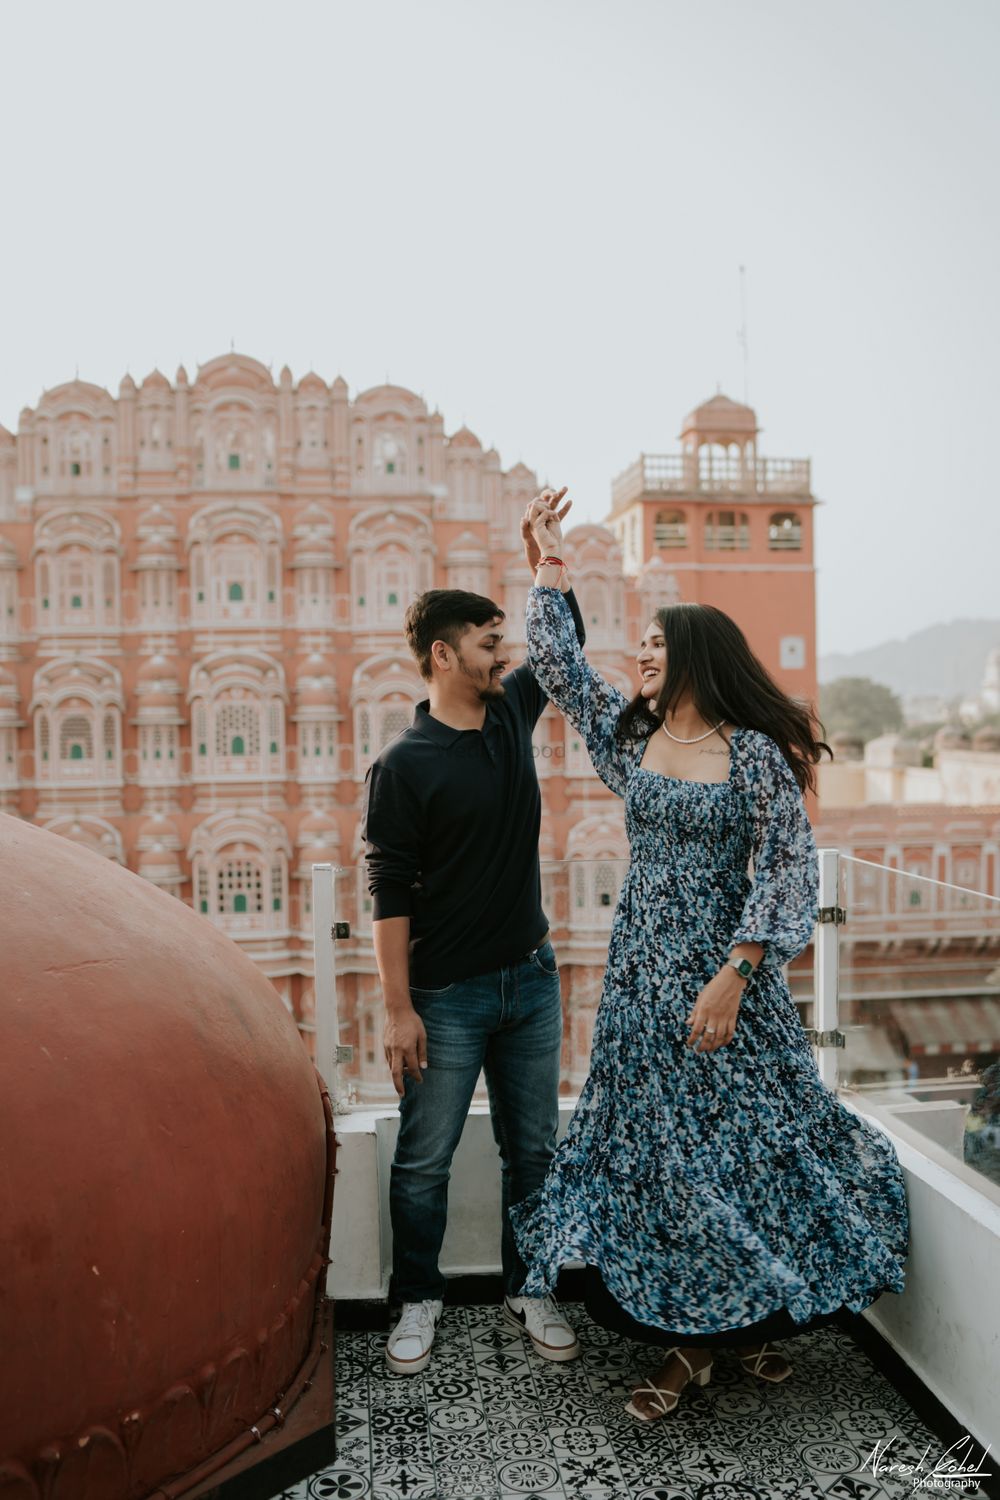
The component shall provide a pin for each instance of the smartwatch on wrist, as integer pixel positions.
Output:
(743, 966)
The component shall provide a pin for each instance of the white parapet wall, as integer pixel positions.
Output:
(361, 1241)
(945, 1325)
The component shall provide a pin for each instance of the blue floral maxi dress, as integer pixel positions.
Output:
(707, 1192)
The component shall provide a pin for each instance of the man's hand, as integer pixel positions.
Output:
(541, 529)
(405, 1042)
(712, 1019)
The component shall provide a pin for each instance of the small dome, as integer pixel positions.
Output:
(156, 669)
(313, 382)
(158, 828)
(160, 865)
(155, 381)
(721, 418)
(987, 739)
(315, 668)
(127, 387)
(318, 839)
(464, 438)
(181, 378)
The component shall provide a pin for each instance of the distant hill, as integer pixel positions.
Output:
(945, 660)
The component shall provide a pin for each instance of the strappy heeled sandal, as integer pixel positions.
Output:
(753, 1364)
(661, 1397)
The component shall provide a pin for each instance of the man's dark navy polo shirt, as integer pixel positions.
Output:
(451, 821)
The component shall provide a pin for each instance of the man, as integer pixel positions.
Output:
(469, 978)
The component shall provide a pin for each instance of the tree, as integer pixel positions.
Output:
(857, 705)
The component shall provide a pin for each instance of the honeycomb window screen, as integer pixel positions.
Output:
(237, 722)
(76, 740)
(240, 888)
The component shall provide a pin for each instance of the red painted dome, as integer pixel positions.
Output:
(163, 1187)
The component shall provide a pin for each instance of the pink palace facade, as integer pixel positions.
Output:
(202, 591)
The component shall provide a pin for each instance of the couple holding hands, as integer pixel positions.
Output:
(713, 1187)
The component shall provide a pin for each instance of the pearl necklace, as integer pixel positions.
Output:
(678, 741)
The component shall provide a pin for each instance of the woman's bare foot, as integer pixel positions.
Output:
(774, 1365)
(671, 1377)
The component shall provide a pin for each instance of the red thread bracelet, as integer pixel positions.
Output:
(542, 561)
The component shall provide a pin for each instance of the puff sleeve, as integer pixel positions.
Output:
(781, 910)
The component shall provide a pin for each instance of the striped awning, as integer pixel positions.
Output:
(870, 1049)
(948, 1026)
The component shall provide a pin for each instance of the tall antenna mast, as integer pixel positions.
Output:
(743, 337)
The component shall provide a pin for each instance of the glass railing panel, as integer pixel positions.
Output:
(579, 897)
(920, 1005)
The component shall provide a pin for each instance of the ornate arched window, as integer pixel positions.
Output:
(235, 565)
(77, 571)
(240, 872)
(784, 531)
(392, 560)
(670, 529)
(727, 531)
(77, 707)
(237, 718)
(389, 457)
(384, 693)
(597, 855)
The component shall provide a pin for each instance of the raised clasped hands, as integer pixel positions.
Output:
(541, 525)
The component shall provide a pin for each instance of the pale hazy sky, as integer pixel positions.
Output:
(533, 212)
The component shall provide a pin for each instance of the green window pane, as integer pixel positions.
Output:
(234, 460)
(393, 599)
(236, 748)
(74, 469)
(110, 754)
(76, 602)
(202, 749)
(390, 468)
(236, 591)
(203, 905)
(274, 747)
(76, 752)
(201, 596)
(45, 603)
(276, 903)
(270, 596)
(157, 755)
(239, 902)
(361, 598)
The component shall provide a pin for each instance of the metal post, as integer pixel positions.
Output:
(325, 983)
(826, 1036)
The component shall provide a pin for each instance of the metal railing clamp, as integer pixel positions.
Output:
(824, 1038)
(835, 914)
(341, 930)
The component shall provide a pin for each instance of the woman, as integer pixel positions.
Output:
(717, 1191)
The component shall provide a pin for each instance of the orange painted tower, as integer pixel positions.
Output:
(717, 524)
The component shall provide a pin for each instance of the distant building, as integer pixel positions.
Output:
(986, 702)
(202, 591)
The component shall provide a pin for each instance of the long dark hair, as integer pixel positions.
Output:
(709, 656)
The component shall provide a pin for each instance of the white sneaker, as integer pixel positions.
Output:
(409, 1346)
(541, 1320)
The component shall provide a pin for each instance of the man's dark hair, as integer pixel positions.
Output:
(444, 615)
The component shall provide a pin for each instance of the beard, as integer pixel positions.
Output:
(488, 685)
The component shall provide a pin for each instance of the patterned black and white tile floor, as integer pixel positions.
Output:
(489, 1420)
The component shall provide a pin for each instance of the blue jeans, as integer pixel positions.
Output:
(507, 1023)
